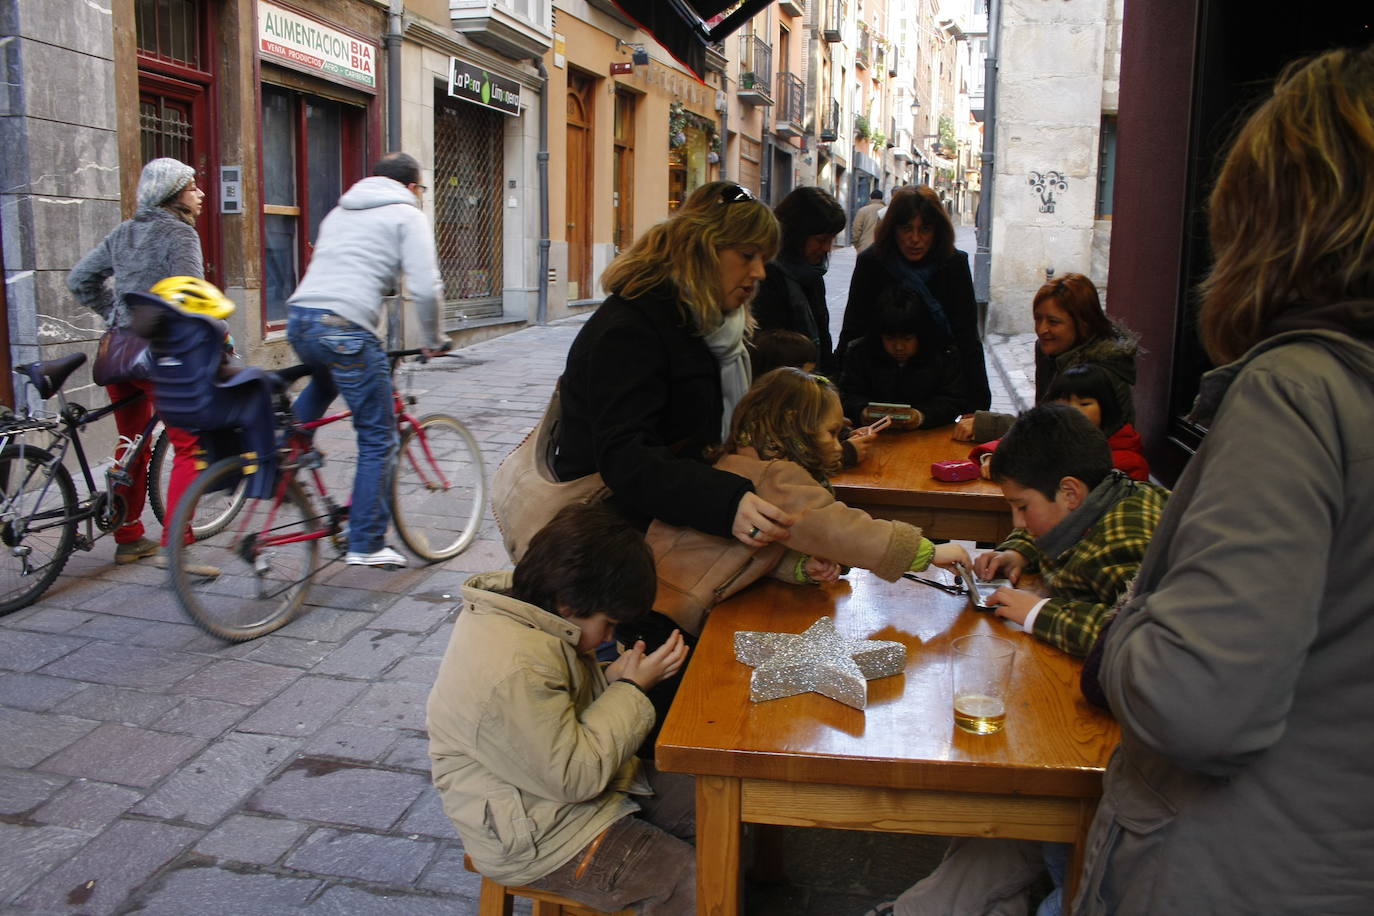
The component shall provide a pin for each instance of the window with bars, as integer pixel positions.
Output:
(164, 127)
(169, 30)
(469, 220)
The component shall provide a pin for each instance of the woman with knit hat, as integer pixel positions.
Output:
(159, 241)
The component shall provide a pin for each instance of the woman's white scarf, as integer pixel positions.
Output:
(727, 346)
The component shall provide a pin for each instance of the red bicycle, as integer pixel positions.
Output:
(269, 553)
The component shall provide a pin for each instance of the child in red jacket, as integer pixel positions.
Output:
(1088, 388)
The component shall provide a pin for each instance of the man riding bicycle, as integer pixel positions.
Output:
(376, 234)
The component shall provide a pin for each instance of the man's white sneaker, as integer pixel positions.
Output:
(384, 557)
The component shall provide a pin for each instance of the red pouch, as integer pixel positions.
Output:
(954, 470)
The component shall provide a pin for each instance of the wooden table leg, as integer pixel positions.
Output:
(718, 845)
(1087, 808)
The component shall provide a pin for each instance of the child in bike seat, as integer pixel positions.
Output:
(198, 382)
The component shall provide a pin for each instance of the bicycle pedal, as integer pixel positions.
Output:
(120, 478)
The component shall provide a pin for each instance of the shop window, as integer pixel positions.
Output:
(311, 152)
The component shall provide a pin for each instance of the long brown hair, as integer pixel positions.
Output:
(1292, 213)
(683, 250)
(781, 416)
(907, 204)
(1077, 296)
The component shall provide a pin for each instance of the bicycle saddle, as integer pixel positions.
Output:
(47, 376)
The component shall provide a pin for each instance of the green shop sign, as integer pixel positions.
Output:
(482, 87)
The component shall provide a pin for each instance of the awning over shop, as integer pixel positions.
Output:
(680, 25)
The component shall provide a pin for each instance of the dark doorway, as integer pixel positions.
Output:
(1242, 46)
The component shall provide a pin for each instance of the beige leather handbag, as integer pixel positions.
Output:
(527, 494)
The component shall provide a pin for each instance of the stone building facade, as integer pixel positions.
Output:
(1057, 87)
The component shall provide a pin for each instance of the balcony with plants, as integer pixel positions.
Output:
(755, 71)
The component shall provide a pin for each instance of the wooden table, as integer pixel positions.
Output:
(894, 482)
(900, 765)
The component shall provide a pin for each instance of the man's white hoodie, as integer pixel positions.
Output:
(375, 234)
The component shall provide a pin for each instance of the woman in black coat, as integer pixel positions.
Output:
(653, 376)
(792, 295)
(914, 249)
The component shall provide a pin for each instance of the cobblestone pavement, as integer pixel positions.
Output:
(147, 767)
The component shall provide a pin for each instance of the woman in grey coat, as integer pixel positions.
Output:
(1242, 667)
(159, 241)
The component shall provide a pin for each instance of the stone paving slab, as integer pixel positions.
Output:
(123, 754)
(99, 877)
(324, 791)
(219, 779)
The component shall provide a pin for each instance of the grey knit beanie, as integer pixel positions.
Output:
(161, 179)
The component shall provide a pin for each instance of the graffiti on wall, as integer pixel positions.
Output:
(1047, 184)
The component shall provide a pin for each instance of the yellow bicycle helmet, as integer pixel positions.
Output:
(191, 294)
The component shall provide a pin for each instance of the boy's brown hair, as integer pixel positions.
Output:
(780, 416)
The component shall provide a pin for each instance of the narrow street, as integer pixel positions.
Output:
(150, 768)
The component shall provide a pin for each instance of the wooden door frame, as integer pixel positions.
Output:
(582, 87)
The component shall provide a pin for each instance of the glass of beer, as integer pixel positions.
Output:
(980, 672)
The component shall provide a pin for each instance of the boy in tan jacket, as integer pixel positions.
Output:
(533, 745)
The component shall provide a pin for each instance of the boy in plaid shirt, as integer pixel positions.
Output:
(1080, 524)
(1084, 527)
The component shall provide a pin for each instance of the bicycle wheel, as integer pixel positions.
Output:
(213, 513)
(251, 577)
(37, 501)
(439, 489)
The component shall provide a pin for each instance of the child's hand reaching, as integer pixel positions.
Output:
(999, 564)
(947, 555)
(819, 569)
(1013, 603)
(648, 670)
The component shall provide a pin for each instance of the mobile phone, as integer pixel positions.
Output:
(880, 424)
(892, 411)
(978, 592)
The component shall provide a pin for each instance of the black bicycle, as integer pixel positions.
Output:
(41, 515)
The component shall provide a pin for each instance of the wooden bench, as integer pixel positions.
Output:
(498, 900)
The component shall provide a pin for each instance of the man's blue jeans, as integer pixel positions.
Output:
(348, 359)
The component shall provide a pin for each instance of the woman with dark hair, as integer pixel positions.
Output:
(1241, 668)
(1071, 329)
(914, 249)
(792, 294)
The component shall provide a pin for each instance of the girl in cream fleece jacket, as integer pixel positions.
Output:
(784, 439)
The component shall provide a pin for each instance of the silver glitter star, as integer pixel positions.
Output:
(820, 660)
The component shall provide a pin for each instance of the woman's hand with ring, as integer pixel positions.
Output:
(758, 522)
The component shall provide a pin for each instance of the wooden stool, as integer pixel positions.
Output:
(498, 900)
